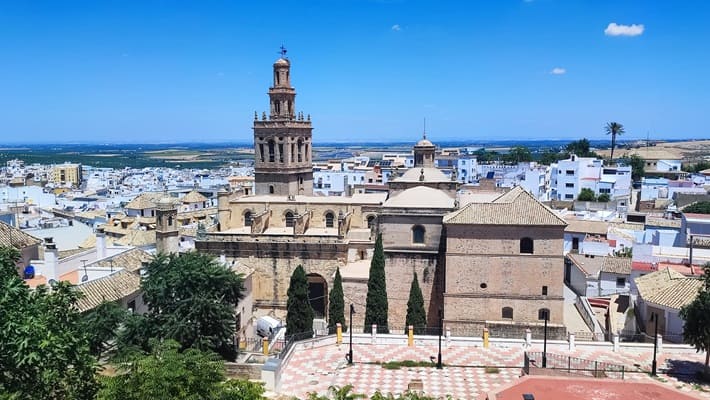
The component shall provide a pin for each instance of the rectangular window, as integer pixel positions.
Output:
(544, 290)
(569, 172)
(620, 282)
(569, 196)
(607, 191)
(569, 185)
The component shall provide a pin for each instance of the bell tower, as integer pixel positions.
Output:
(166, 228)
(282, 142)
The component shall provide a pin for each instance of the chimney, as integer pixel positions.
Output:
(100, 244)
(51, 258)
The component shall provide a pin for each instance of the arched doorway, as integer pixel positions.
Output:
(318, 295)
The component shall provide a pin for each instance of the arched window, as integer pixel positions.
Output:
(418, 234)
(300, 150)
(543, 314)
(290, 220)
(329, 217)
(526, 245)
(271, 189)
(370, 221)
(507, 313)
(272, 151)
(170, 220)
(248, 218)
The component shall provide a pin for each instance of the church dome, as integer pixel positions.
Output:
(281, 62)
(425, 143)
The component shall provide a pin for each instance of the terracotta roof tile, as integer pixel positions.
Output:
(16, 237)
(516, 207)
(617, 265)
(668, 288)
(113, 287)
(193, 197)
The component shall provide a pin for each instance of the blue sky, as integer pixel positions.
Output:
(175, 71)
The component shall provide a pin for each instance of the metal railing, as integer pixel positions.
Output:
(532, 365)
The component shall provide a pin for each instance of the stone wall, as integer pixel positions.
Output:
(485, 271)
(243, 370)
(399, 270)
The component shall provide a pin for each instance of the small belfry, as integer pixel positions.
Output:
(166, 229)
(282, 143)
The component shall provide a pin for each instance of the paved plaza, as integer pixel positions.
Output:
(464, 375)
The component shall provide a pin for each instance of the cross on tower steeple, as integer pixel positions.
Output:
(283, 51)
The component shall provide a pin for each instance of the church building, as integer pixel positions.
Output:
(496, 263)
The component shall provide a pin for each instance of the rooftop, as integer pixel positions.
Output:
(516, 207)
(420, 197)
(668, 288)
(113, 287)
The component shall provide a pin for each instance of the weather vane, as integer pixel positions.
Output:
(283, 51)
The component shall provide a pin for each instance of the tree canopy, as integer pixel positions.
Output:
(191, 299)
(637, 164)
(518, 154)
(697, 319)
(44, 351)
(586, 194)
(614, 129)
(336, 303)
(166, 373)
(580, 148)
(376, 306)
(416, 315)
(700, 207)
(299, 313)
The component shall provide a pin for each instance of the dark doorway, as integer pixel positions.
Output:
(318, 295)
(575, 243)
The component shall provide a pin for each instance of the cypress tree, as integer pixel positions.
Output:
(336, 304)
(416, 316)
(376, 306)
(299, 313)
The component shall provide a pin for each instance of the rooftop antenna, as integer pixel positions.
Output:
(283, 51)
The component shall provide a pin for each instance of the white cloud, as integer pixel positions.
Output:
(396, 28)
(558, 71)
(615, 29)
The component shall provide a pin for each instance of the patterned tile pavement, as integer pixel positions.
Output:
(464, 376)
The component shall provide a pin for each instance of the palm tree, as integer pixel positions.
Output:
(613, 129)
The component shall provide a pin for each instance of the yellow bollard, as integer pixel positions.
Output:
(410, 336)
(242, 344)
(339, 333)
(485, 337)
(265, 346)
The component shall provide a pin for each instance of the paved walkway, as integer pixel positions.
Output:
(464, 375)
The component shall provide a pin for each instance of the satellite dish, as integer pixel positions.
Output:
(85, 278)
(52, 282)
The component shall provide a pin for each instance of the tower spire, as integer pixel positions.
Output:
(424, 134)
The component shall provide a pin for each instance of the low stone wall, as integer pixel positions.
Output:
(243, 370)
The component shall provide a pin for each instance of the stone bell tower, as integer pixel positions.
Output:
(166, 228)
(282, 142)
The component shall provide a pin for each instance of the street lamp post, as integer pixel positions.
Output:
(544, 345)
(350, 353)
(441, 329)
(654, 317)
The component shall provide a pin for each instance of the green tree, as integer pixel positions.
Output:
(101, 325)
(580, 148)
(336, 303)
(637, 164)
(614, 129)
(44, 351)
(376, 307)
(337, 393)
(548, 157)
(416, 316)
(586, 194)
(697, 319)
(604, 198)
(700, 207)
(191, 299)
(299, 313)
(166, 373)
(697, 167)
(518, 154)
